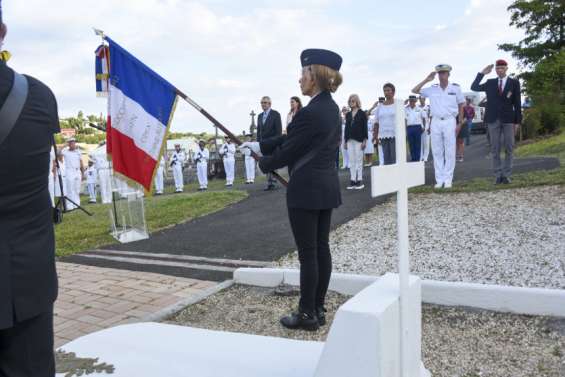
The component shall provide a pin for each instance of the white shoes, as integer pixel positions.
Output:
(447, 185)
(439, 185)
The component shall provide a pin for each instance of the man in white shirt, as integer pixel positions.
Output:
(249, 165)
(227, 151)
(446, 103)
(160, 177)
(177, 162)
(91, 182)
(414, 128)
(74, 169)
(344, 153)
(102, 166)
(201, 157)
(425, 151)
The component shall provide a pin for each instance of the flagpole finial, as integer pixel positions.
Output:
(99, 32)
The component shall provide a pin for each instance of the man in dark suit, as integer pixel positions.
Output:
(269, 126)
(503, 115)
(28, 281)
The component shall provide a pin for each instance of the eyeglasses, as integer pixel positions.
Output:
(265, 102)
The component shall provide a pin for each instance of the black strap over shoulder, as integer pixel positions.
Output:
(13, 106)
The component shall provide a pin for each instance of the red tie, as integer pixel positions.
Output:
(499, 86)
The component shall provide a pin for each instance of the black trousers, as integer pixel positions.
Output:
(311, 230)
(26, 350)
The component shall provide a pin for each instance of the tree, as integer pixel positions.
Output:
(544, 25)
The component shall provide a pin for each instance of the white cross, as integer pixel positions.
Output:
(399, 178)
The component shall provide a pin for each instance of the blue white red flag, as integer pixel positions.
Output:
(102, 69)
(140, 109)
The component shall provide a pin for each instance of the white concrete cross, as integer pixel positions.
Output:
(399, 178)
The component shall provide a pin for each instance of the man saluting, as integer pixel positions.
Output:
(503, 115)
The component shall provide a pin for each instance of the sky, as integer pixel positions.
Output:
(227, 54)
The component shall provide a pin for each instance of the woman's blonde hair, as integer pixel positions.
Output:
(355, 98)
(325, 77)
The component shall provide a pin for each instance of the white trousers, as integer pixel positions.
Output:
(345, 154)
(229, 167)
(381, 155)
(159, 180)
(73, 187)
(105, 182)
(202, 173)
(250, 169)
(443, 149)
(51, 185)
(91, 191)
(177, 175)
(355, 160)
(425, 150)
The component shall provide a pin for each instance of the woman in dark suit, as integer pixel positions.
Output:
(309, 149)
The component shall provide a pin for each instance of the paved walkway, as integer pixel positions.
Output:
(94, 298)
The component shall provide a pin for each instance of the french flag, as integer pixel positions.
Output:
(140, 109)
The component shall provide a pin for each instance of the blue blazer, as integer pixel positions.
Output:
(317, 126)
(506, 107)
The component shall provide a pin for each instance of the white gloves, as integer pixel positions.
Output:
(253, 145)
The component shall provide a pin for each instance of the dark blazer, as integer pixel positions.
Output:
(506, 107)
(315, 185)
(28, 282)
(272, 128)
(356, 128)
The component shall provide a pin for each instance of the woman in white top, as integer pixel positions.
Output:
(295, 105)
(385, 123)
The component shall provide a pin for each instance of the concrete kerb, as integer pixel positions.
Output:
(180, 305)
(506, 299)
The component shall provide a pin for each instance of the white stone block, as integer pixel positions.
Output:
(261, 277)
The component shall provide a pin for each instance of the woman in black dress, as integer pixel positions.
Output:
(309, 149)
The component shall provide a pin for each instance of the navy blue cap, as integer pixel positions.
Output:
(412, 97)
(322, 57)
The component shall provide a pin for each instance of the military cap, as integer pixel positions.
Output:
(443, 68)
(71, 139)
(322, 57)
(412, 97)
(501, 63)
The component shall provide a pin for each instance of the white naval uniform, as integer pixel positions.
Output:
(177, 161)
(73, 176)
(91, 183)
(160, 176)
(51, 178)
(249, 166)
(102, 166)
(444, 107)
(60, 171)
(228, 153)
(370, 147)
(379, 146)
(201, 156)
(344, 153)
(425, 150)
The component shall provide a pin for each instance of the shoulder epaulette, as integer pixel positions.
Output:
(454, 84)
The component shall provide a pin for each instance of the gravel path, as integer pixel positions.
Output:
(509, 237)
(456, 342)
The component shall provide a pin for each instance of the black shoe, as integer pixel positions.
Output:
(505, 181)
(300, 321)
(321, 314)
(498, 181)
(352, 185)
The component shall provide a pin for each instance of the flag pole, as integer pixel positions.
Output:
(225, 131)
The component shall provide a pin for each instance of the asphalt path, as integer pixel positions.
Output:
(257, 228)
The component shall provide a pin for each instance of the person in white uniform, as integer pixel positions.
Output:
(414, 128)
(160, 177)
(201, 157)
(446, 103)
(344, 154)
(249, 165)
(227, 151)
(74, 169)
(60, 171)
(91, 182)
(177, 161)
(103, 170)
(425, 111)
(370, 147)
(52, 177)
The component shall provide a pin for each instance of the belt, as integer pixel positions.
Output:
(445, 118)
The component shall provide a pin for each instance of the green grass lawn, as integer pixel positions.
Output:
(80, 232)
(553, 146)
